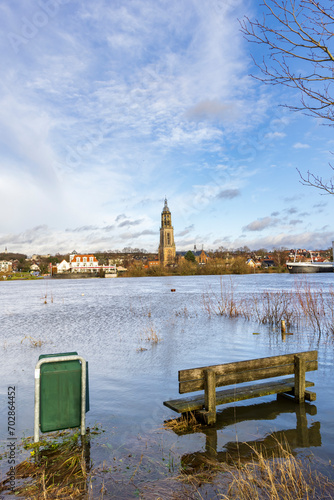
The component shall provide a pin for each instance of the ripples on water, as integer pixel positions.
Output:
(108, 322)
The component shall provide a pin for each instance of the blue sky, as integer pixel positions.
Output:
(109, 106)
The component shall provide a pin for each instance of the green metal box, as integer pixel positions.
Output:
(60, 393)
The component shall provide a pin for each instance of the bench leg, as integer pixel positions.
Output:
(299, 379)
(211, 439)
(302, 429)
(210, 396)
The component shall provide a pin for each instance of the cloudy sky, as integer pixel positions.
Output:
(109, 106)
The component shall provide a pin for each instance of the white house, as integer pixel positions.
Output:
(84, 263)
(63, 267)
(88, 263)
(5, 266)
(34, 268)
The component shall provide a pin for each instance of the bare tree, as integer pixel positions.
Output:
(299, 31)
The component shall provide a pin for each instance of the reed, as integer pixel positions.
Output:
(186, 423)
(33, 342)
(225, 303)
(151, 335)
(300, 307)
(281, 477)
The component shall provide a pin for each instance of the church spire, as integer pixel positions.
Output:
(167, 245)
(165, 209)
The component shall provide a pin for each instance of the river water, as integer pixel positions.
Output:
(109, 322)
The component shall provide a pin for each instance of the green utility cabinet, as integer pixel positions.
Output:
(60, 393)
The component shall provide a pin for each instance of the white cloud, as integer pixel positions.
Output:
(275, 135)
(300, 145)
(261, 224)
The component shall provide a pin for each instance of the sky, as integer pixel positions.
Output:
(108, 107)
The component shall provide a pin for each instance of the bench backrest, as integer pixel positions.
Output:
(246, 371)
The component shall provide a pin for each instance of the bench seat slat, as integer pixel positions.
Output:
(183, 405)
(245, 376)
(252, 364)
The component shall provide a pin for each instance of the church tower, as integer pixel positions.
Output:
(167, 245)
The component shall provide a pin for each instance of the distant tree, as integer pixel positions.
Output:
(12, 256)
(301, 32)
(136, 269)
(186, 267)
(24, 266)
(279, 256)
(190, 256)
(242, 250)
(157, 271)
(220, 253)
(239, 266)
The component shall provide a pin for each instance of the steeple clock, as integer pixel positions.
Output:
(167, 245)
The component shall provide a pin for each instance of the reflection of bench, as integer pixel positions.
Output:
(209, 377)
(270, 445)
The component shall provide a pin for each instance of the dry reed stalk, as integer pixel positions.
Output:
(151, 335)
(186, 423)
(276, 477)
(33, 342)
(312, 305)
(299, 307)
(273, 478)
(330, 312)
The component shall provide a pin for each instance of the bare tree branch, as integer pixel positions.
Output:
(299, 31)
(312, 180)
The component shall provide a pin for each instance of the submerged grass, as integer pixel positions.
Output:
(33, 342)
(64, 470)
(56, 469)
(186, 423)
(280, 476)
(302, 307)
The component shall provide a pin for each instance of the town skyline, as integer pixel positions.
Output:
(108, 108)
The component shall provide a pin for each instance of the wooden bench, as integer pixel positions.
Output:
(207, 378)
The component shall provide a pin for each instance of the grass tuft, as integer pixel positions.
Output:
(33, 342)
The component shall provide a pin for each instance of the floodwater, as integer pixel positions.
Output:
(109, 322)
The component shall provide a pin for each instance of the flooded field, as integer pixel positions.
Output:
(136, 334)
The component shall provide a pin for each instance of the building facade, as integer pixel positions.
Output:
(167, 245)
(5, 266)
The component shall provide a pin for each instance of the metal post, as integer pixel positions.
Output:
(56, 359)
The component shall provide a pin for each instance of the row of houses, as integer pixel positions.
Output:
(82, 263)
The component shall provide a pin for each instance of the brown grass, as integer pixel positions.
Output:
(151, 335)
(186, 423)
(282, 476)
(58, 469)
(33, 342)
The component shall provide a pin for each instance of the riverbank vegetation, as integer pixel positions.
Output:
(184, 267)
(302, 306)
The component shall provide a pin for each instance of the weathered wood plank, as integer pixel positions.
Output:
(300, 369)
(210, 390)
(186, 404)
(309, 395)
(209, 396)
(252, 364)
(246, 376)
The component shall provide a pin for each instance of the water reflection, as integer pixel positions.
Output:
(302, 436)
